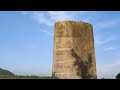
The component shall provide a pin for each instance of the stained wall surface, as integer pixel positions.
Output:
(74, 54)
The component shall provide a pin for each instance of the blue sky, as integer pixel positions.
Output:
(26, 40)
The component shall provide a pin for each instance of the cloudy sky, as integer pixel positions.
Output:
(26, 40)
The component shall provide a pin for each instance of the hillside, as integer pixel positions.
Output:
(5, 73)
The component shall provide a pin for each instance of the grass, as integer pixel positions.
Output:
(25, 77)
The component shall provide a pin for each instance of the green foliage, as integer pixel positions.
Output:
(118, 76)
(5, 73)
(25, 77)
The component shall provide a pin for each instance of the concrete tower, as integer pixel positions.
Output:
(74, 54)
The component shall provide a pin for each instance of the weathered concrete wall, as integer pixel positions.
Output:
(74, 54)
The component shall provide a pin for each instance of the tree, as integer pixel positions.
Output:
(118, 76)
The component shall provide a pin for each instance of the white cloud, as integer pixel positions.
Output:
(59, 15)
(100, 41)
(50, 17)
(107, 24)
(109, 49)
(48, 32)
(83, 12)
(24, 12)
(41, 18)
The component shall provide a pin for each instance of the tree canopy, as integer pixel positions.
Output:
(118, 76)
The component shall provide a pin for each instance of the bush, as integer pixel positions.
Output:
(118, 76)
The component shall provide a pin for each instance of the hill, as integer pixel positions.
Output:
(5, 73)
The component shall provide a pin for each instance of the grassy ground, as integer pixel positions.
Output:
(25, 77)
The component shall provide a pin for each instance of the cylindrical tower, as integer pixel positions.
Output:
(74, 54)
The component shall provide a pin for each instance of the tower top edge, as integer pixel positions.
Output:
(71, 21)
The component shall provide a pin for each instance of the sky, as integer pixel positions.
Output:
(26, 40)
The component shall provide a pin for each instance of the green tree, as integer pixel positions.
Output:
(118, 76)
